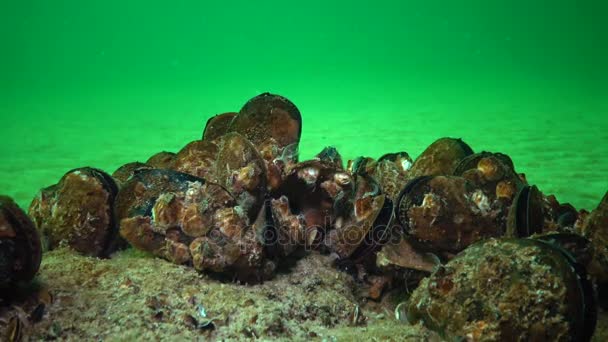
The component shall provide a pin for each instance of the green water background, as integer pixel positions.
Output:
(103, 83)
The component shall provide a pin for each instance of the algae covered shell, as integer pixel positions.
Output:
(507, 289)
(78, 211)
(20, 248)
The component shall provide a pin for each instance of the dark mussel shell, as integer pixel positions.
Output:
(269, 116)
(218, 125)
(162, 160)
(20, 248)
(78, 211)
(540, 291)
(526, 215)
(125, 172)
(448, 213)
(440, 158)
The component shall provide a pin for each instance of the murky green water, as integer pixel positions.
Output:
(102, 83)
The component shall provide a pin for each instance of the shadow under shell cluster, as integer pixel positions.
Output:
(238, 203)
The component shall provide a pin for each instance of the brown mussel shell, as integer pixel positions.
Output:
(269, 116)
(197, 158)
(138, 195)
(440, 158)
(123, 173)
(218, 125)
(78, 211)
(20, 248)
(162, 160)
(241, 170)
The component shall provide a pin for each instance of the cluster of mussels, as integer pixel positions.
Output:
(489, 255)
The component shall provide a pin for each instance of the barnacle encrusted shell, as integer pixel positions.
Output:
(20, 249)
(440, 158)
(197, 158)
(188, 220)
(509, 289)
(448, 213)
(241, 170)
(218, 125)
(78, 211)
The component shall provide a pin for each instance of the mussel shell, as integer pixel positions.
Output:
(20, 255)
(330, 155)
(577, 246)
(581, 297)
(162, 160)
(526, 215)
(236, 153)
(440, 158)
(81, 216)
(123, 173)
(138, 195)
(469, 288)
(379, 233)
(218, 125)
(405, 200)
(471, 161)
(361, 165)
(301, 194)
(269, 116)
(197, 158)
(401, 159)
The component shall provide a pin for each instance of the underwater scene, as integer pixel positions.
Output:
(317, 170)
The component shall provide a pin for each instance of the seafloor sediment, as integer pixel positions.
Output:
(134, 296)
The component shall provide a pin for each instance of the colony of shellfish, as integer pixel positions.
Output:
(489, 256)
